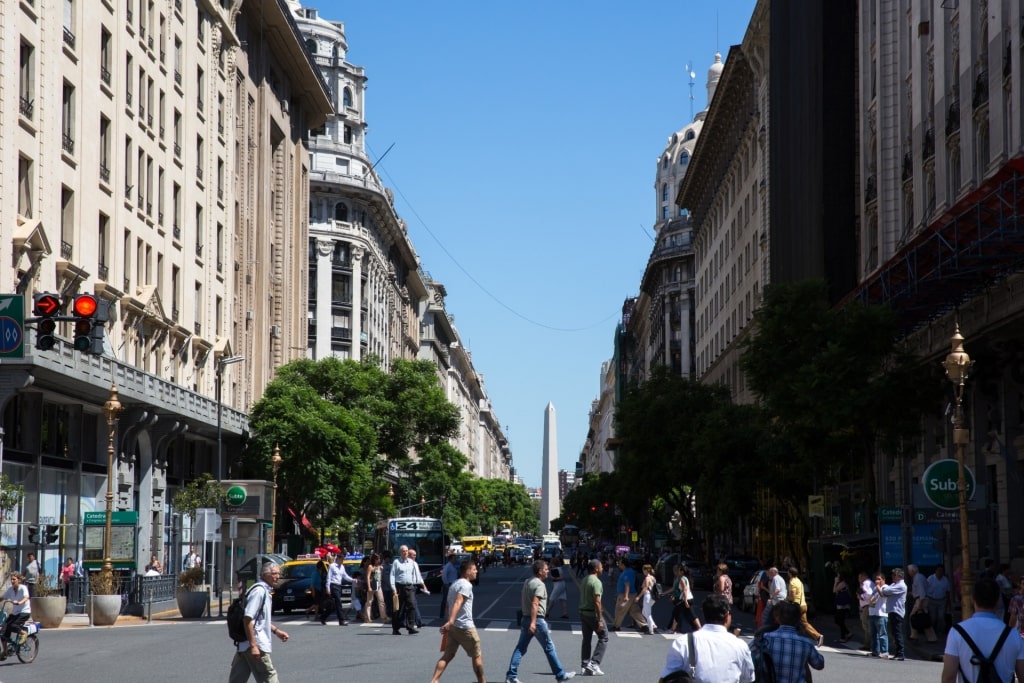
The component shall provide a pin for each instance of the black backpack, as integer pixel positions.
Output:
(987, 668)
(236, 616)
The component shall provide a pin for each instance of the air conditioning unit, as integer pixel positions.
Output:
(275, 331)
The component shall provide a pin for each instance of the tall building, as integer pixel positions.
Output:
(566, 480)
(156, 157)
(365, 286)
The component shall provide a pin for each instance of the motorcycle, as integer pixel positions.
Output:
(26, 652)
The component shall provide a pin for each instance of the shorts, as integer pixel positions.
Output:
(467, 638)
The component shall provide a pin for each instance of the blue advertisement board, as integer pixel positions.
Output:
(921, 550)
(891, 537)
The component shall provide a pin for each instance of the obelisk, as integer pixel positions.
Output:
(549, 505)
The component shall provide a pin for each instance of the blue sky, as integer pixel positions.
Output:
(525, 137)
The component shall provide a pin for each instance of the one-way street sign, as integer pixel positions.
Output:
(12, 326)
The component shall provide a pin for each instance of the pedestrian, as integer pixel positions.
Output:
(777, 592)
(939, 601)
(558, 594)
(719, 654)
(682, 599)
(625, 600)
(843, 600)
(1016, 609)
(919, 594)
(191, 559)
(422, 588)
(865, 587)
(797, 595)
(896, 603)
(534, 604)
(790, 652)
(762, 597)
(31, 573)
(21, 608)
(336, 576)
(992, 640)
(878, 613)
(1005, 588)
(723, 582)
(449, 575)
(321, 596)
(390, 599)
(592, 620)
(66, 573)
(252, 656)
(374, 590)
(460, 630)
(647, 598)
(405, 577)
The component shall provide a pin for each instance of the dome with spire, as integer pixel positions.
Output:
(714, 75)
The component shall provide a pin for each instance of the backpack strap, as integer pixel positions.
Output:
(977, 651)
(693, 655)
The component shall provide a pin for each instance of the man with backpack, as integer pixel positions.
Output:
(252, 655)
(982, 649)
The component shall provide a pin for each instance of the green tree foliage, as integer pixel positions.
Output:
(203, 492)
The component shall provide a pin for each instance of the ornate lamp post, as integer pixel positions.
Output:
(958, 367)
(112, 411)
(275, 461)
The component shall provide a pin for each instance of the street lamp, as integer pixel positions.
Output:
(958, 367)
(112, 411)
(221, 362)
(275, 461)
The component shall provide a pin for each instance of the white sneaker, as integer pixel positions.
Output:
(593, 670)
(511, 680)
(567, 676)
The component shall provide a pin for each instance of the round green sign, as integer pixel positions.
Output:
(940, 484)
(235, 495)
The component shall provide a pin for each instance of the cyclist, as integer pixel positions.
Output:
(21, 608)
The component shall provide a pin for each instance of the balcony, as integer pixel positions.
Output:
(198, 328)
(149, 42)
(105, 75)
(129, 15)
(104, 173)
(220, 193)
(199, 173)
(149, 121)
(953, 117)
(127, 285)
(161, 132)
(174, 314)
(128, 98)
(980, 89)
(66, 250)
(199, 249)
(142, 110)
(69, 38)
(220, 266)
(176, 231)
(160, 217)
(149, 208)
(128, 191)
(104, 272)
(26, 107)
(177, 5)
(67, 143)
(177, 150)
(871, 189)
(199, 103)
(341, 334)
(177, 77)
(141, 201)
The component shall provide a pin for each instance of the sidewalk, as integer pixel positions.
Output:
(916, 649)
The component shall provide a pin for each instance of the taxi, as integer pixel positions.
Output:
(295, 587)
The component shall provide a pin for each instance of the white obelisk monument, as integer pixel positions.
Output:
(549, 504)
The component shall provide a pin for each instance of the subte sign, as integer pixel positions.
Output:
(940, 484)
(12, 326)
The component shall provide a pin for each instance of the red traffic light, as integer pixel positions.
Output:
(85, 305)
(46, 305)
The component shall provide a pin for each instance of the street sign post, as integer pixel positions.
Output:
(12, 326)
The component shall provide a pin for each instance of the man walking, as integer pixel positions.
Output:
(790, 652)
(449, 575)
(534, 603)
(919, 594)
(405, 577)
(31, 572)
(991, 639)
(460, 629)
(625, 601)
(796, 594)
(252, 657)
(719, 655)
(896, 602)
(777, 591)
(592, 619)
(864, 591)
(939, 601)
(336, 575)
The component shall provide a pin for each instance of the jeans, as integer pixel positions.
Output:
(336, 596)
(590, 627)
(543, 636)
(879, 638)
(896, 635)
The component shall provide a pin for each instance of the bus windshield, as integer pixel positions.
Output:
(422, 534)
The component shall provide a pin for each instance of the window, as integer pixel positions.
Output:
(105, 56)
(177, 133)
(25, 186)
(346, 97)
(690, 135)
(160, 196)
(664, 161)
(348, 135)
(220, 246)
(199, 230)
(175, 291)
(128, 184)
(101, 247)
(67, 221)
(176, 204)
(26, 82)
(201, 86)
(341, 211)
(162, 114)
(684, 158)
(664, 192)
(68, 118)
(664, 213)
(311, 46)
(104, 149)
(69, 23)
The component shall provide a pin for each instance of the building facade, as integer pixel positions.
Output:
(155, 156)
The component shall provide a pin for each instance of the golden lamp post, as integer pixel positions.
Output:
(958, 367)
(112, 411)
(275, 461)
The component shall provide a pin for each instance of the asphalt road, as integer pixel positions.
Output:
(200, 651)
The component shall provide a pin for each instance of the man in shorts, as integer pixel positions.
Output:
(459, 629)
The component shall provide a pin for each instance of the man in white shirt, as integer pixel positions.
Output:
(459, 629)
(720, 656)
(32, 571)
(405, 577)
(939, 600)
(864, 590)
(252, 656)
(919, 595)
(336, 575)
(191, 560)
(777, 592)
(986, 629)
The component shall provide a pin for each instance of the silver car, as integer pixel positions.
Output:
(750, 591)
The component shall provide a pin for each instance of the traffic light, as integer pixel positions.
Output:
(444, 499)
(52, 533)
(45, 306)
(33, 535)
(939, 535)
(84, 310)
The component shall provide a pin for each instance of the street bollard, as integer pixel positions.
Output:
(149, 619)
(91, 625)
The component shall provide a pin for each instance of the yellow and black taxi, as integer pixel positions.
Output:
(296, 588)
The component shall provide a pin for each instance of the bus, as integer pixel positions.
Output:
(505, 528)
(425, 535)
(570, 536)
(474, 544)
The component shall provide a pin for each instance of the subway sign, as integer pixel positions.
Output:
(940, 484)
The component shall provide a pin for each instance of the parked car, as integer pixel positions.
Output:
(739, 570)
(750, 591)
(245, 575)
(294, 589)
(701, 575)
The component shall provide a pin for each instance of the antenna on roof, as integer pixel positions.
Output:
(693, 77)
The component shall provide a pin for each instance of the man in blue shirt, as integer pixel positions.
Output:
(790, 652)
(625, 600)
(449, 575)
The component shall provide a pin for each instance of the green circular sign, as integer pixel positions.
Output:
(235, 495)
(940, 484)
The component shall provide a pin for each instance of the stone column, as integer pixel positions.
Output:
(357, 300)
(324, 296)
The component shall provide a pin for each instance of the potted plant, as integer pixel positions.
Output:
(104, 604)
(203, 492)
(48, 604)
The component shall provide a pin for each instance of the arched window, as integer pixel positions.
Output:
(346, 97)
(341, 211)
(684, 158)
(690, 135)
(664, 192)
(664, 161)
(311, 46)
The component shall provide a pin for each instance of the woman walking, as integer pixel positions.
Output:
(843, 601)
(374, 590)
(647, 597)
(682, 597)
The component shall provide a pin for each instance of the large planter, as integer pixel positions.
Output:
(49, 610)
(192, 604)
(103, 610)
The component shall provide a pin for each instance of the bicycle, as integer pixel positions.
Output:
(26, 652)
